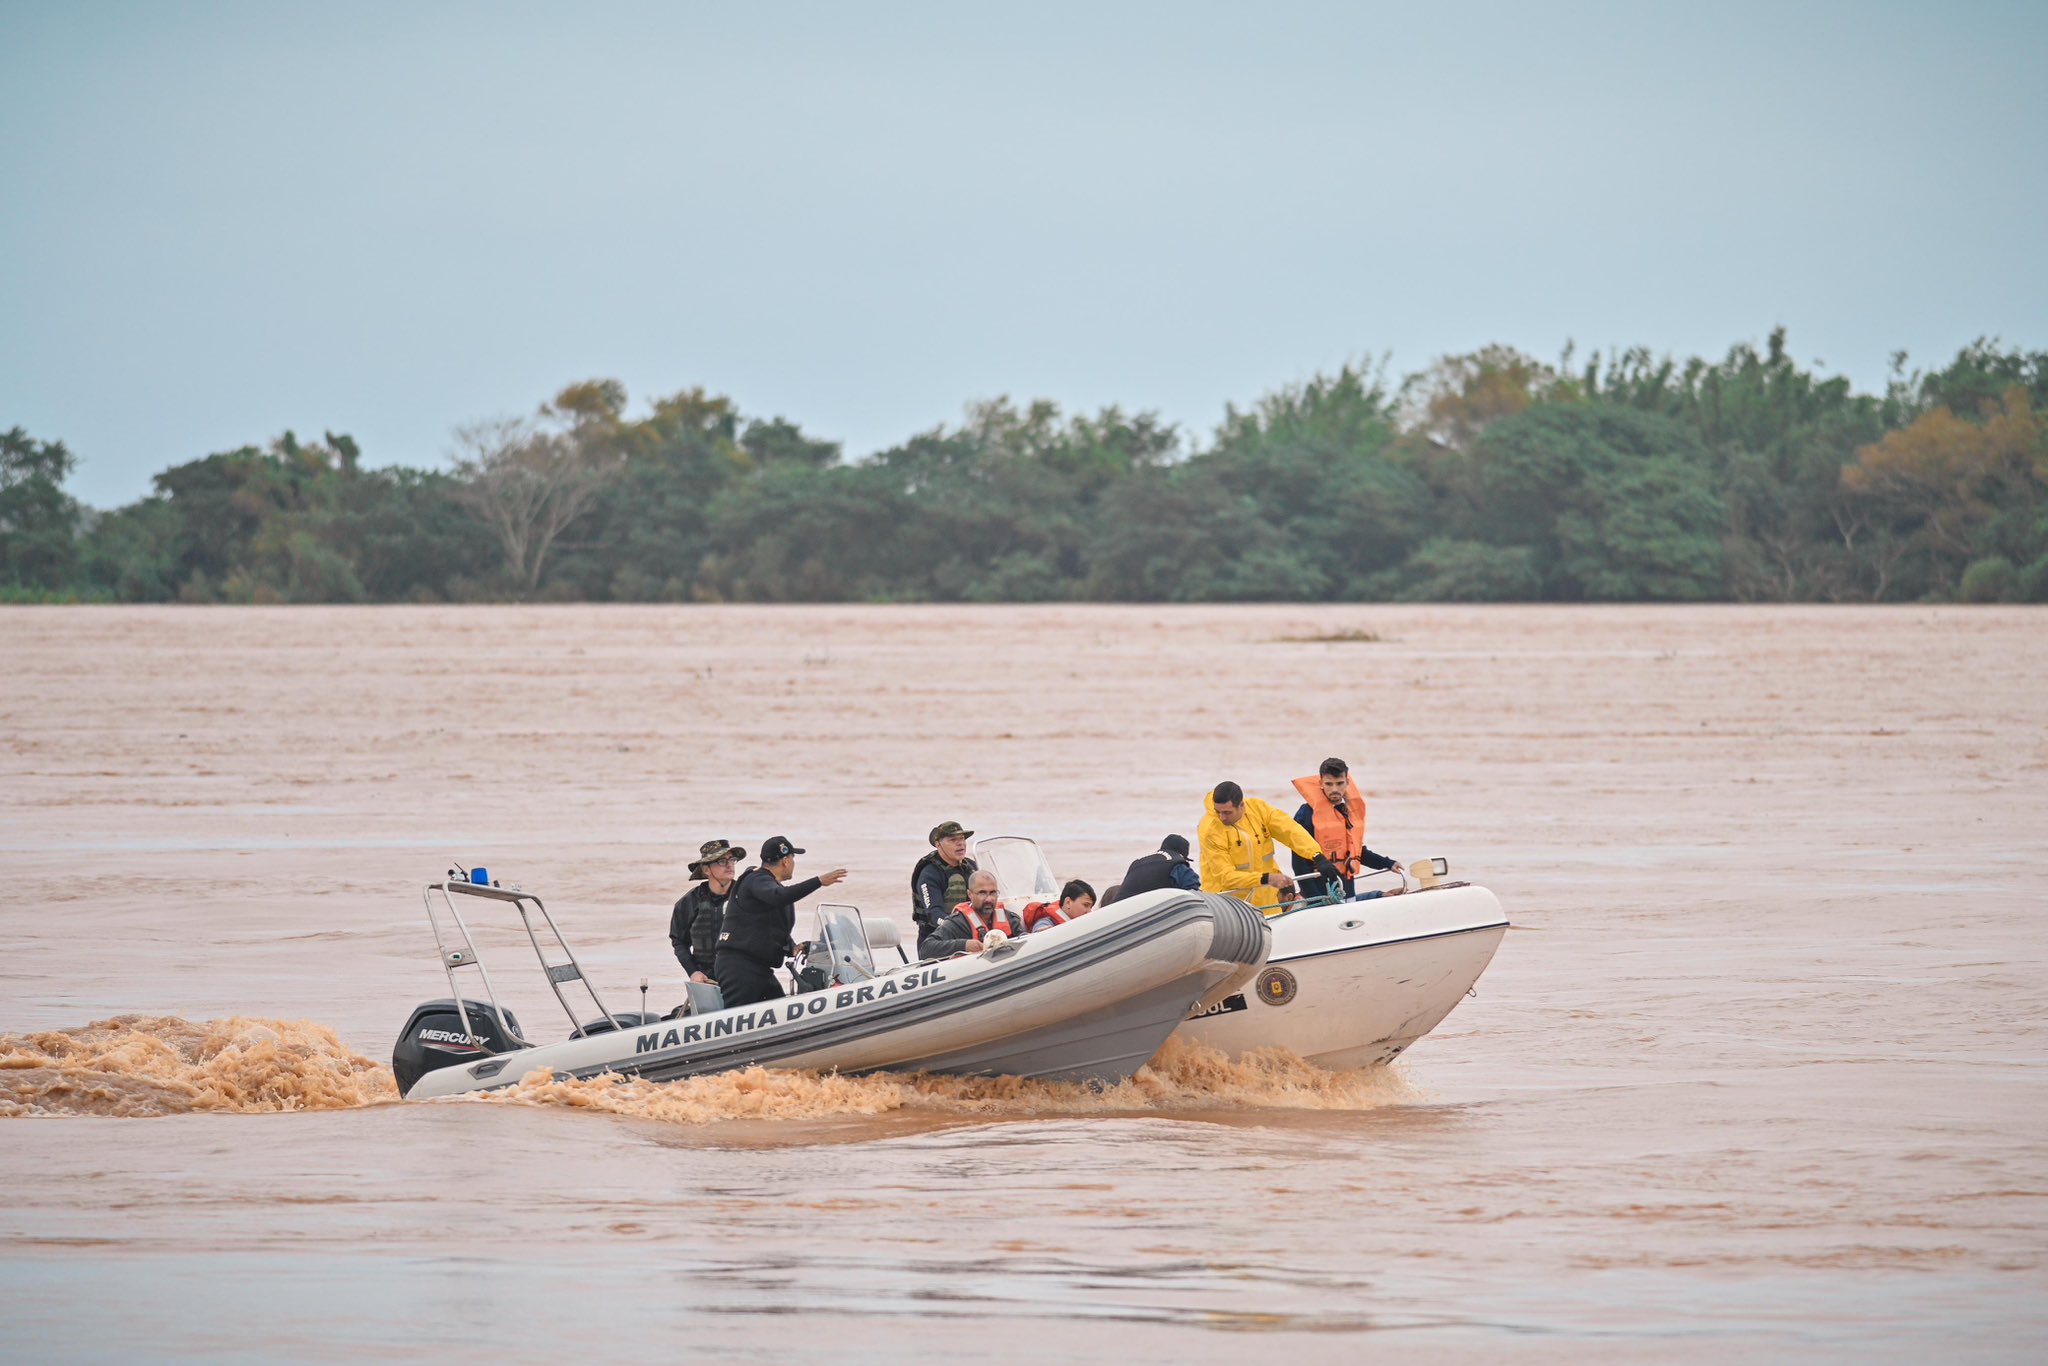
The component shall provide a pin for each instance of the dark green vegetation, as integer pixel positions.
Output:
(1489, 477)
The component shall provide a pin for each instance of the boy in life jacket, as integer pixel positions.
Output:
(1333, 810)
(1077, 898)
(961, 931)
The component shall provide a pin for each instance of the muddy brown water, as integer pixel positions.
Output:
(1762, 1069)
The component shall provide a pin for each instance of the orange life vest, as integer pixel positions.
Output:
(1043, 915)
(980, 927)
(1341, 833)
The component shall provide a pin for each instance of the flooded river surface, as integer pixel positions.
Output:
(1762, 1069)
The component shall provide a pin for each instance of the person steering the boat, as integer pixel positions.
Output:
(1334, 808)
(1077, 898)
(1237, 835)
(760, 924)
(939, 881)
(694, 924)
(961, 931)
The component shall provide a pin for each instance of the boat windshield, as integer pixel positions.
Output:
(842, 936)
(1022, 873)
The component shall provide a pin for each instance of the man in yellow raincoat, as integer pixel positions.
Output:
(1237, 835)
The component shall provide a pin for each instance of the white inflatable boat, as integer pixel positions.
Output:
(1347, 984)
(1091, 1005)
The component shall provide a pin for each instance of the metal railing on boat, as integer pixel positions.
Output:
(458, 950)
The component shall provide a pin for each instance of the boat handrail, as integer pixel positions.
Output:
(1308, 903)
(464, 954)
(1440, 870)
(1303, 903)
(1400, 872)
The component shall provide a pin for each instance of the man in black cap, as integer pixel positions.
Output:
(939, 881)
(1167, 866)
(760, 924)
(694, 924)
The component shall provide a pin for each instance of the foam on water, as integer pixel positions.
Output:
(141, 1065)
(136, 1066)
(1181, 1077)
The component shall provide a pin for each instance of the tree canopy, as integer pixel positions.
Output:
(1489, 476)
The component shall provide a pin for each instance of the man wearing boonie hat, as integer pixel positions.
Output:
(693, 926)
(760, 924)
(939, 881)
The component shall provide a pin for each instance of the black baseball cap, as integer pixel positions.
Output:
(776, 848)
(1174, 846)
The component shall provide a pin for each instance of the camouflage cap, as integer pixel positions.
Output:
(711, 852)
(946, 830)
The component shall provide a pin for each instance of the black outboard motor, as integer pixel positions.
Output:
(437, 1037)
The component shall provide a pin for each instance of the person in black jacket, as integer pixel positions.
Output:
(760, 921)
(1167, 866)
(939, 881)
(694, 924)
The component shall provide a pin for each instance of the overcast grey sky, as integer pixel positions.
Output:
(223, 220)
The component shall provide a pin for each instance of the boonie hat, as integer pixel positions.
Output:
(777, 848)
(946, 830)
(711, 852)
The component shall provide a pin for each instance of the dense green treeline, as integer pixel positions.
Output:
(1488, 477)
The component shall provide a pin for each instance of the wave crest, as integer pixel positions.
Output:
(1181, 1077)
(141, 1065)
(135, 1066)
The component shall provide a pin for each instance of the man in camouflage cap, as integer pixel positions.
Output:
(939, 881)
(694, 924)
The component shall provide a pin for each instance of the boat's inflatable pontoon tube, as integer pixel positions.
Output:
(1086, 1001)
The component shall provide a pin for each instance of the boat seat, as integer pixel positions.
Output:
(705, 997)
(885, 934)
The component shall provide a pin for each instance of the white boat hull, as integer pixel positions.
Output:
(1354, 984)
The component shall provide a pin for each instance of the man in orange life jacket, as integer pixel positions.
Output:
(961, 931)
(1077, 898)
(1333, 810)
